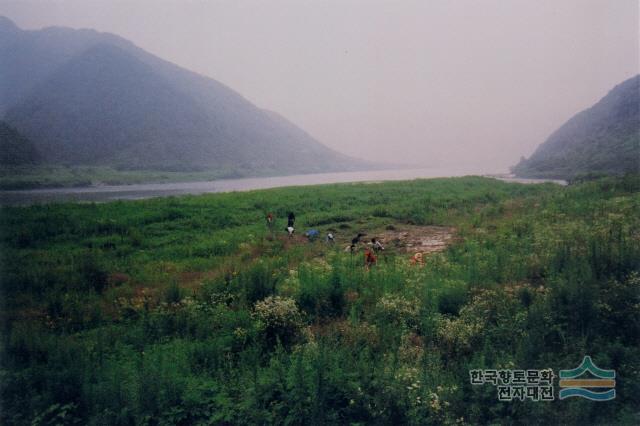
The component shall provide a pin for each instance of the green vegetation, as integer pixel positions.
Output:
(187, 310)
(53, 176)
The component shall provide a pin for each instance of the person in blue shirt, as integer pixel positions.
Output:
(312, 234)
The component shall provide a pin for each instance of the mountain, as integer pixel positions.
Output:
(90, 98)
(15, 149)
(604, 139)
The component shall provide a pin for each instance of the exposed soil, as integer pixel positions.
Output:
(400, 238)
(417, 239)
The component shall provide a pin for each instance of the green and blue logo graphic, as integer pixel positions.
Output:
(571, 385)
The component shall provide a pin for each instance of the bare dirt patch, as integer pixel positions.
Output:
(418, 239)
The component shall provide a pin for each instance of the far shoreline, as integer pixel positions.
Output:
(136, 191)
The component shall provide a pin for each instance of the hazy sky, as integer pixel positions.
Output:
(436, 82)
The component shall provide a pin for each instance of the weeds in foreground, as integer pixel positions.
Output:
(186, 310)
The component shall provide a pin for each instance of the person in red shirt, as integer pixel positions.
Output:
(369, 258)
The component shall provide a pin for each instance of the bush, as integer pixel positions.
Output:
(279, 320)
(452, 298)
(173, 294)
(93, 274)
(398, 310)
(257, 282)
(491, 316)
(319, 292)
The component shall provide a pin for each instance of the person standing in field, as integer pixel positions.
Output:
(291, 220)
(270, 221)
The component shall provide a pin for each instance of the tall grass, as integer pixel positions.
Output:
(155, 312)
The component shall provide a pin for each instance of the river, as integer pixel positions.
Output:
(149, 190)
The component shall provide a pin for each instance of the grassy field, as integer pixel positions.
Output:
(190, 311)
(56, 176)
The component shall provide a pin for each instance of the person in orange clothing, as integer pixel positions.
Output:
(417, 259)
(369, 258)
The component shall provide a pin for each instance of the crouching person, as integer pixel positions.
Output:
(369, 258)
(312, 234)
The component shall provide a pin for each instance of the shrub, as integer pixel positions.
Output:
(619, 307)
(135, 237)
(398, 310)
(452, 298)
(491, 315)
(94, 274)
(460, 334)
(173, 294)
(279, 320)
(257, 282)
(320, 293)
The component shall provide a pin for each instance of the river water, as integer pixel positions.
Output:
(149, 190)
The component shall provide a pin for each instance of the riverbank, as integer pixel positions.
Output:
(104, 193)
(57, 176)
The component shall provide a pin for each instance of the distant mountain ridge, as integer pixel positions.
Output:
(89, 98)
(15, 149)
(603, 139)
